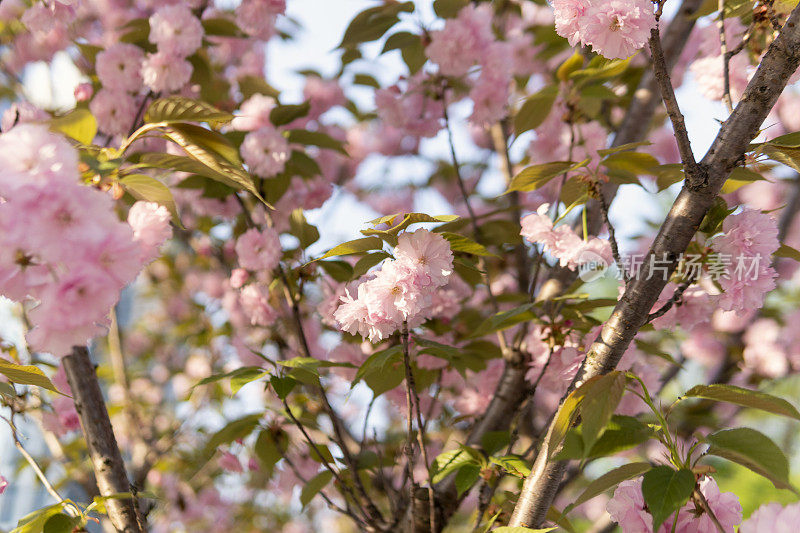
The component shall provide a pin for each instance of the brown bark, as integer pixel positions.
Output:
(104, 453)
(699, 191)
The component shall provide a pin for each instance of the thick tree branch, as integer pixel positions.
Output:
(511, 388)
(104, 453)
(685, 216)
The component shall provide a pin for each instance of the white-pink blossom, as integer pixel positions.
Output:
(265, 151)
(119, 67)
(259, 250)
(175, 30)
(151, 229)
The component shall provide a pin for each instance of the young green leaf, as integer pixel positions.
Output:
(314, 485)
(745, 398)
(608, 481)
(754, 450)
(665, 491)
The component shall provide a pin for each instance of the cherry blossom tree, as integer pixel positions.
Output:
(203, 349)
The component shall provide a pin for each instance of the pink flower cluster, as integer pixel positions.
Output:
(466, 41)
(177, 33)
(61, 244)
(773, 517)
(3, 484)
(402, 290)
(414, 109)
(627, 508)
(615, 29)
(563, 243)
(749, 239)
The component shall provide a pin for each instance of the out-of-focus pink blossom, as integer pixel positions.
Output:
(176, 31)
(773, 517)
(258, 250)
(265, 151)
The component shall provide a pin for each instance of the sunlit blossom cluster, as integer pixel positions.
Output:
(401, 291)
(62, 246)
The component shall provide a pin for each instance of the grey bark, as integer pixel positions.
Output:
(698, 193)
(104, 453)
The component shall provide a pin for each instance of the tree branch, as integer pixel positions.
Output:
(698, 193)
(104, 453)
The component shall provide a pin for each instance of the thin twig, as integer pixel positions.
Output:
(707, 508)
(661, 73)
(726, 59)
(35, 466)
(409, 447)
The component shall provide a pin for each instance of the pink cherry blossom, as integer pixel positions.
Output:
(114, 110)
(725, 506)
(773, 517)
(84, 91)
(119, 66)
(748, 242)
(563, 243)
(255, 304)
(427, 255)
(463, 40)
(265, 151)
(254, 113)
(627, 508)
(259, 250)
(41, 156)
(257, 17)
(176, 31)
(3, 484)
(151, 229)
(228, 461)
(412, 110)
(568, 17)
(165, 72)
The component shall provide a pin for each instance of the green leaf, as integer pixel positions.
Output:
(535, 109)
(209, 164)
(466, 478)
(211, 141)
(623, 148)
(408, 220)
(448, 9)
(565, 416)
(609, 480)
(739, 177)
(300, 228)
(599, 405)
(513, 464)
(754, 450)
(744, 397)
(314, 485)
(341, 271)
(26, 375)
(236, 429)
(6, 389)
(149, 189)
(504, 320)
(239, 377)
(400, 40)
(381, 362)
(363, 265)
(221, 27)
(558, 518)
(61, 523)
(537, 176)
(600, 69)
(371, 24)
(267, 450)
(34, 522)
(356, 246)
(250, 85)
(448, 462)
(282, 385)
(570, 65)
(284, 114)
(180, 109)
(665, 491)
(315, 138)
(788, 252)
(460, 243)
(78, 124)
(634, 163)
